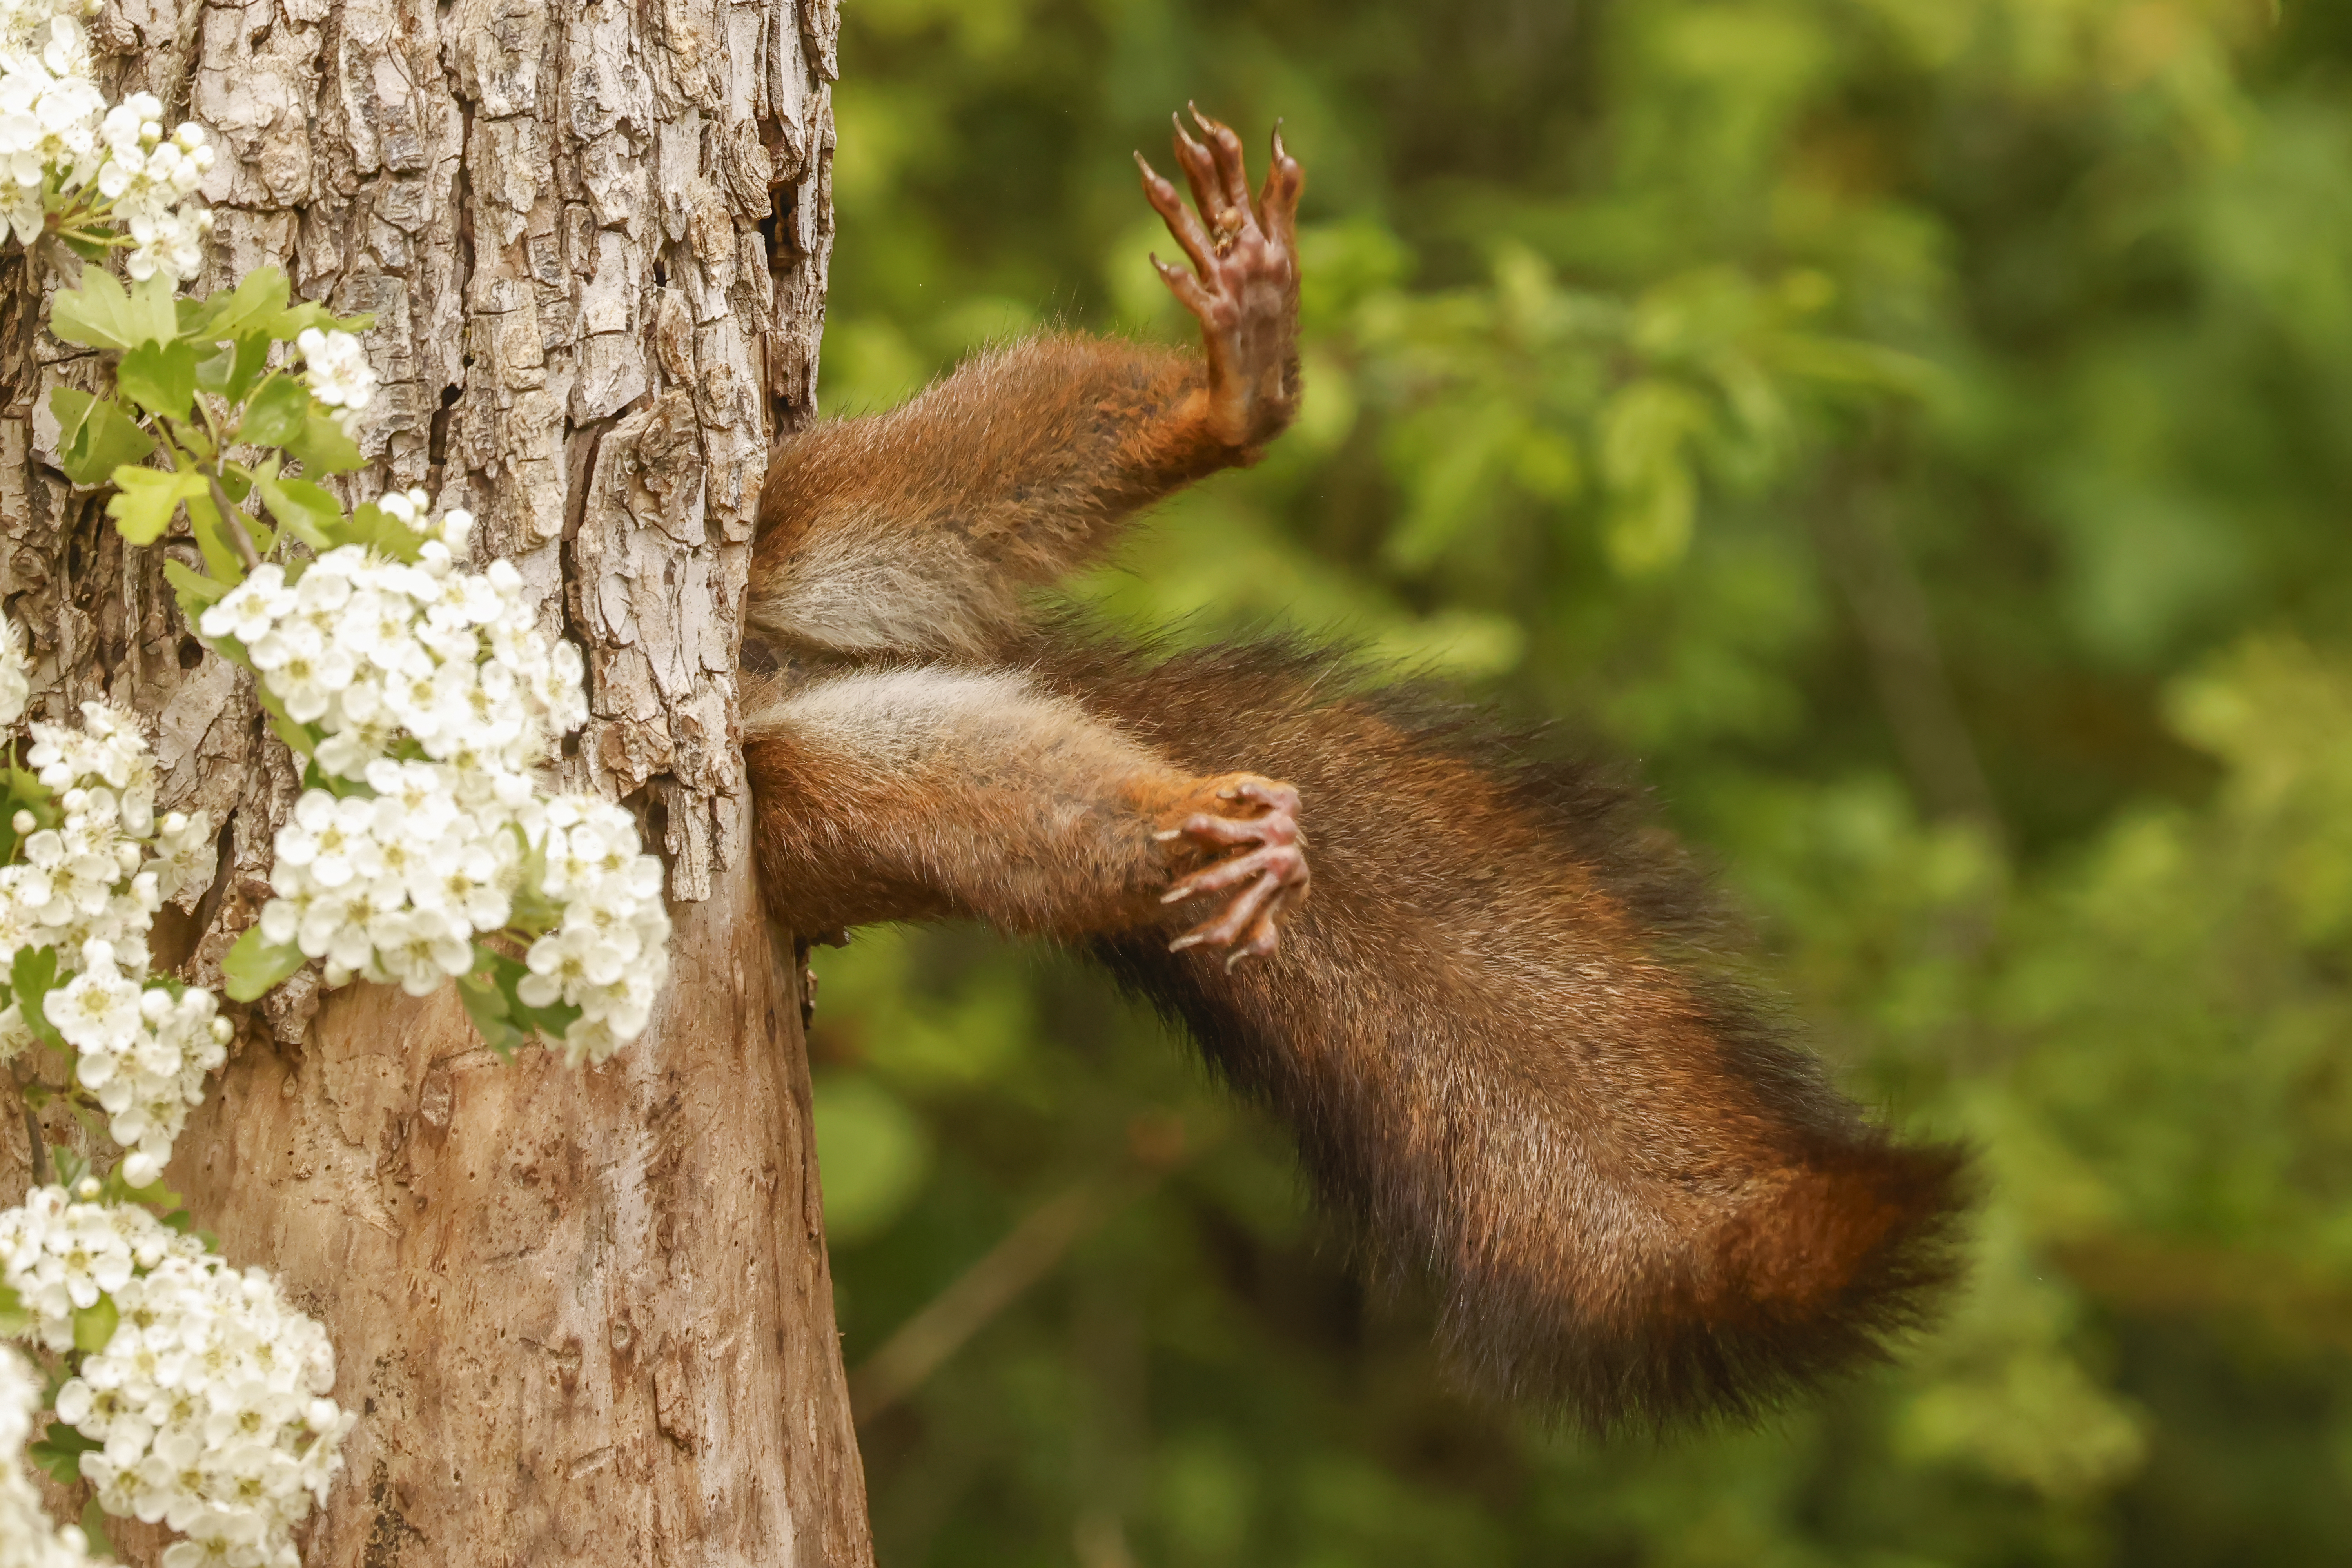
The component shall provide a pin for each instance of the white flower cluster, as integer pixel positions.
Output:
(143, 1050)
(369, 650)
(393, 884)
(209, 1402)
(15, 674)
(58, 136)
(610, 953)
(340, 374)
(88, 889)
(151, 181)
(26, 1538)
(49, 109)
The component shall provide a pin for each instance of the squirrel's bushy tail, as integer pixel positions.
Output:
(1512, 1072)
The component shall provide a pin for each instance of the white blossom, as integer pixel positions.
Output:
(27, 1538)
(88, 889)
(62, 147)
(16, 676)
(340, 374)
(210, 1401)
(391, 875)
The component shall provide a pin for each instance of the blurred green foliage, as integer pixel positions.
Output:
(1921, 431)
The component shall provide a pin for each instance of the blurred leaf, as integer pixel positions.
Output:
(873, 1153)
(253, 965)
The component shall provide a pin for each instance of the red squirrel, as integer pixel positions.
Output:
(1476, 986)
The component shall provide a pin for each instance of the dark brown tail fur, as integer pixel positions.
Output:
(1511, 1062)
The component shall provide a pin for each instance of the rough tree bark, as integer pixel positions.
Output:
(585, 1315)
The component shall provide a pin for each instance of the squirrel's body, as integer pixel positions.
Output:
(1495, 1029)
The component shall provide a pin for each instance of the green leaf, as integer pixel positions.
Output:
(93, 1530)
(254, 304)
(535, 914)
(256, 964)
(155, 1194)
(95, 436)
(193, 589)
(487, 1003)
(159, 377)
(15, 1320)
(60, 1453)
(375, 529)
(302, 739)
(508, 974)
(325, 447)
(26, 789)
(304, 314)
(94, 1325)
(101, 315)
(212, 537)
(232, 369)
(279, 414)
(142, 506)
(32, 977)
(310, 512)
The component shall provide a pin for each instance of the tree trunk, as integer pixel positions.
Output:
(585, 1314)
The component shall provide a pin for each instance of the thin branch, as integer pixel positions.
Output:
(1031, 1251)
(233, 520)
(39, 1155)
(925, 1342)
(1897, 628)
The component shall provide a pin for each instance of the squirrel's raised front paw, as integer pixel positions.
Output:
(1257, 820)
(1244, 283)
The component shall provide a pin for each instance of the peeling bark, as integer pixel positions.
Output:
(584, 1314)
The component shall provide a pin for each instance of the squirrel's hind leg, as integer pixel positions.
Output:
(925, 792)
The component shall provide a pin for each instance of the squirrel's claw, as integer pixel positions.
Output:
(1266, 880)
(1242, 286)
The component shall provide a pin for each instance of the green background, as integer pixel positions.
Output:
(1917, 431)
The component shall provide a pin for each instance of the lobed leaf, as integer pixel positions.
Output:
(32, 977)
(59, 1455)
(488, 1006)
(93, 1528)
(232, 369)
(256, 964)
(95, 436)
(101, 314)
(159, 377)
(193, 588)
(304, 509)
(95, 1324)
(375, 529)
(279, 414)
(253, 306)
(16, 1319)
(324, 447)
(145, 498)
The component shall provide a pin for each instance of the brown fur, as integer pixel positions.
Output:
(1007, 475)
(1514, 1065)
